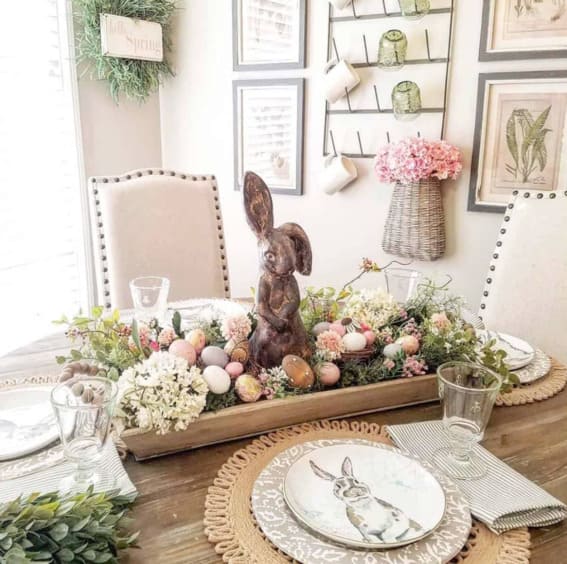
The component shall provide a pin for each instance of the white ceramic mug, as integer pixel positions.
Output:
(339, 75)
(340, 4)
(338, 172)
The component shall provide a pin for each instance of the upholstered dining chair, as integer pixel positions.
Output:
(525, 292)
(158, 222)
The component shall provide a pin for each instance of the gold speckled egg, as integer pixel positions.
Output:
(298, 371)
(240, 353)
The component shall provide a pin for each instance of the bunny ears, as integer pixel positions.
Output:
(260, 217)
(346, 470)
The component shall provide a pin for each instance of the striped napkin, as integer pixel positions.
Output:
(502, 499)
(47, 480)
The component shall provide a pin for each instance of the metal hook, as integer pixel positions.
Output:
(348, 99)
(384, 8)
(388, 136)
(418, 134)
(336, 50)
(377, 100)
(360, 144)
(427, 45)
(333, 142)
(354, 10)
(365, 49)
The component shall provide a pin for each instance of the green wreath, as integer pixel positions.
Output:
(135, 79)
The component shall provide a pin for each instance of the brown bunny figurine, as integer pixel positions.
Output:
(283, 250)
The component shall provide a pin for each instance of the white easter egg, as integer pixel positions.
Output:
(354, 342)
(390, 351)
(212, 355)
(217, 379)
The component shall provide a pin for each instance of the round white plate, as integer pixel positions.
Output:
(206, 309)
(536, 369)
(518, 352)
(363, 496)
(27, 421)
(283, 530)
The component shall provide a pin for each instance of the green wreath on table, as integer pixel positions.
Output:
(136, 79)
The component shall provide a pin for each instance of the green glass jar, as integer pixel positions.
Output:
(406, 100)
(414, 9)
(392, 50)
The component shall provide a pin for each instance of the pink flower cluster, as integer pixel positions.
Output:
(415, 159)
(413, 367)
(412, 328)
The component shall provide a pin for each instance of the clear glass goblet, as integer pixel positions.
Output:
(406, 100)
(468, 392)
(84, 407)
(149, 296)
(402, 283)
(392, 50)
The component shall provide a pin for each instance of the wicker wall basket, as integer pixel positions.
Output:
(415, 227)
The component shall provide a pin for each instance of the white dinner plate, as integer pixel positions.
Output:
(365, 497)
(518, 352)
(206, 310)
(27, 421)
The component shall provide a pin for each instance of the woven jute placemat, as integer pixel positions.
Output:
(544, 388)
(230, 525)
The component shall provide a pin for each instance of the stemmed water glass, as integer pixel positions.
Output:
(402, 283)
(84, 407)
(149, 295)
(468, 392)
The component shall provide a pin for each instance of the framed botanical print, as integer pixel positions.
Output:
(519, 138)
(268, 132)
(268, 35)
(523, 29)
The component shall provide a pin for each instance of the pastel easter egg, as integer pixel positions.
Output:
(185, 350)
(214, 356)
(338, 327)
(248, 388)
(328, 373)
(234, 369)
(217, 379)
(409, 344)
(370, 337)
(321, 327)
(298, 371)
(197, 338)
(392, 350)
(354, 342)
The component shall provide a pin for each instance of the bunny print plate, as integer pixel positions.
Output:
(365, 497)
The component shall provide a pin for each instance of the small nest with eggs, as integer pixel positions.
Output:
(364, 354)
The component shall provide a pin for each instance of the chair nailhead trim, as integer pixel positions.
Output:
(527, 195)
(552, 195)
(540, 196)
(515, 193)
(485, 294)
(499, 243)
(489, 280)
(506, 218)
(495, 255)
(105, 180)
(510, 206)
(503, 231)
(482, 306)
(107, 304)
(492, 268)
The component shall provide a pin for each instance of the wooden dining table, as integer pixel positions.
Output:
(531, 438)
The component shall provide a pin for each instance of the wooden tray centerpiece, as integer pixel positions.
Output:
(290, 360)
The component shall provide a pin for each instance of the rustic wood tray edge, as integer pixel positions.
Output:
(247, 420)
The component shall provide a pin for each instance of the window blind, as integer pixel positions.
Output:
(42, 266)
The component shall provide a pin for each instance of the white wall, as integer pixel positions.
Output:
(196, 116)
(117, 137)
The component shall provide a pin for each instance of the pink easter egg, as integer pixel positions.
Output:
(185, 350)
(234, 369)
(370, 337)
(328, 373)
(197, 338)
(409, 344)
(338, 328)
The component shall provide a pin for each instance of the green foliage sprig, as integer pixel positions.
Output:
(80, 528)
(134, 78)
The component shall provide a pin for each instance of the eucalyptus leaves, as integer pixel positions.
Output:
(525, 138)
(79, 528)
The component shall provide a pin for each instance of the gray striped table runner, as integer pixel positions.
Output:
(47, 480)
(503, 499)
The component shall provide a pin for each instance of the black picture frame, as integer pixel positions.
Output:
(480, 132)
(299, 83)
(485, 55)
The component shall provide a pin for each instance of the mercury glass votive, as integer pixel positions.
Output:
(392, 50)
(406, 100)
(414, 9)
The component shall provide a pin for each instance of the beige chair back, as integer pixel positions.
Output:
(158, 223)
(526, 287)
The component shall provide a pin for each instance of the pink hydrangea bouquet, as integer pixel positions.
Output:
(414, 159)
